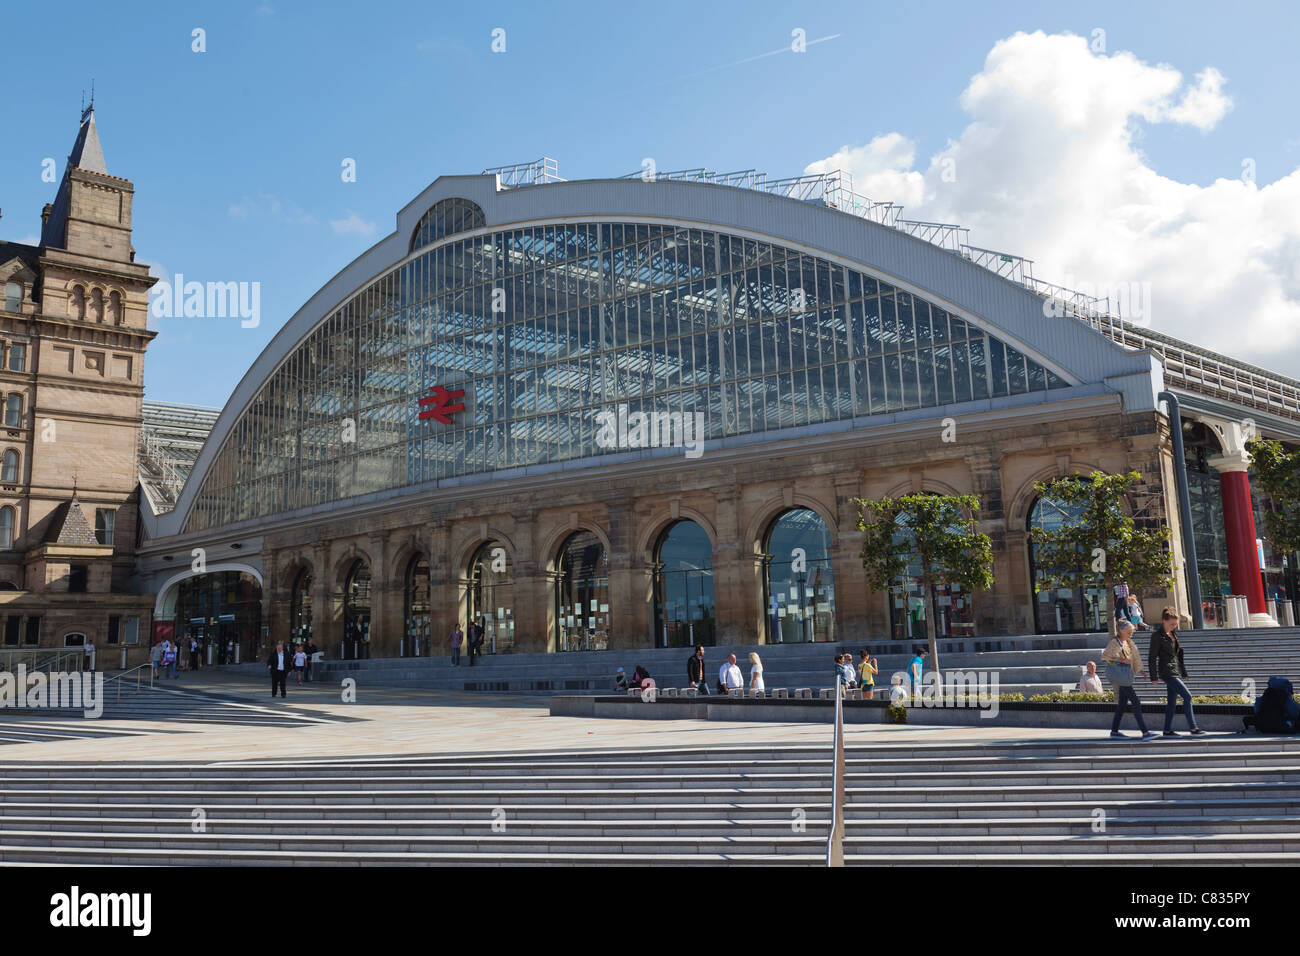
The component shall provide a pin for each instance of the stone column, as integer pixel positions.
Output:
(533, 590)
(736, 608)
(852, 595)
(326, 626)
(383, 630)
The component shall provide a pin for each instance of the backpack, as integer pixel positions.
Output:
(1275, 709)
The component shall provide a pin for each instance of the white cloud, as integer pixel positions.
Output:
(273, 206)
(1048, 167)
(353, 225)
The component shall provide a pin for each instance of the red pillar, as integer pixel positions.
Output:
(1239, 527)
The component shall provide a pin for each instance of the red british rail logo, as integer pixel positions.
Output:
(441, 399)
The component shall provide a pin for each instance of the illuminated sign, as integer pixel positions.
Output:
(441, 404)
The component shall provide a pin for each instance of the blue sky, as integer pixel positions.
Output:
(235, 152)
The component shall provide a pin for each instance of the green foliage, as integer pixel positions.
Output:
(1059, 697)
(937, 531)
(896, 714)
(1277, 473)
(1105, 546)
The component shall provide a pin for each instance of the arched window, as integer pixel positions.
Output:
(446, 218)
(14, 410)
(9, 469)
(491, 596)
(115, 308)
(6, 527)
(416, 630)
(356, 612)
(300, 608)
(97, 305)
(77, 304)
(683, 587)
(907, 610)
(13, 297)
(1063, 610)
(582, 612)
(799, 586)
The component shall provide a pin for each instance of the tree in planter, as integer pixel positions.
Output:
(1277, 472)
(936, 531)
(1104, 545)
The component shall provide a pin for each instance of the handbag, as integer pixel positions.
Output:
(1119, 675)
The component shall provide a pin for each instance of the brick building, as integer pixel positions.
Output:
(73, 324)
(619, 413)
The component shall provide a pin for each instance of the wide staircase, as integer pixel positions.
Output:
(125, 699)
(1218, 801)
(1028, 664)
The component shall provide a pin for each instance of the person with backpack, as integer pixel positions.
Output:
(1165, 660)
(1123, 664)
(695, 671)
(1276, 710)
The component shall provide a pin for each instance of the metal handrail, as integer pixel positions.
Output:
(138, 678)
(835, 840)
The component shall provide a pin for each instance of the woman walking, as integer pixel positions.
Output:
(1123, 663)
(1166, 663)
(755, 673)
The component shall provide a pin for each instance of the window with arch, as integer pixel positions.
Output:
(97, 305)
(446, 218)
(300, 608)
(416, 628)
(77, 302)
(1063, 610)
(115, 308)
(490, 596)
(356, 611)
(799, 583)
(14, 410)
(684, 611)
(6, 527)
(13, 297)
(9, 467)
(582, 611)
(953, 611)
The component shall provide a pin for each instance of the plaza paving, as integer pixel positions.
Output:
(388, 721)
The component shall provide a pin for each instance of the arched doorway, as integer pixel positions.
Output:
(953, 611)
(582, 613)
(1063, 610)
(300, 608)
(356, 611)
(799, 581)
(490, 596)
(684, 613)
(416, 622)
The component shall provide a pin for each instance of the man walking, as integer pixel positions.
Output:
(476, 632)
(695, 671)
(278, 663)
(311, 653)
(155, 658)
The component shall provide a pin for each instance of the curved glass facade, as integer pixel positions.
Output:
(545, 328)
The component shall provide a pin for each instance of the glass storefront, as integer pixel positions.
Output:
(547, 327)
(1064, 610)
(356, 612)
(582, 615)
(491, 597)
(799, 584)
(683, 587)
(222, 610)
(416, 630)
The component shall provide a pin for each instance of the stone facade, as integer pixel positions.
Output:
(74, 339)
(734, 494)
